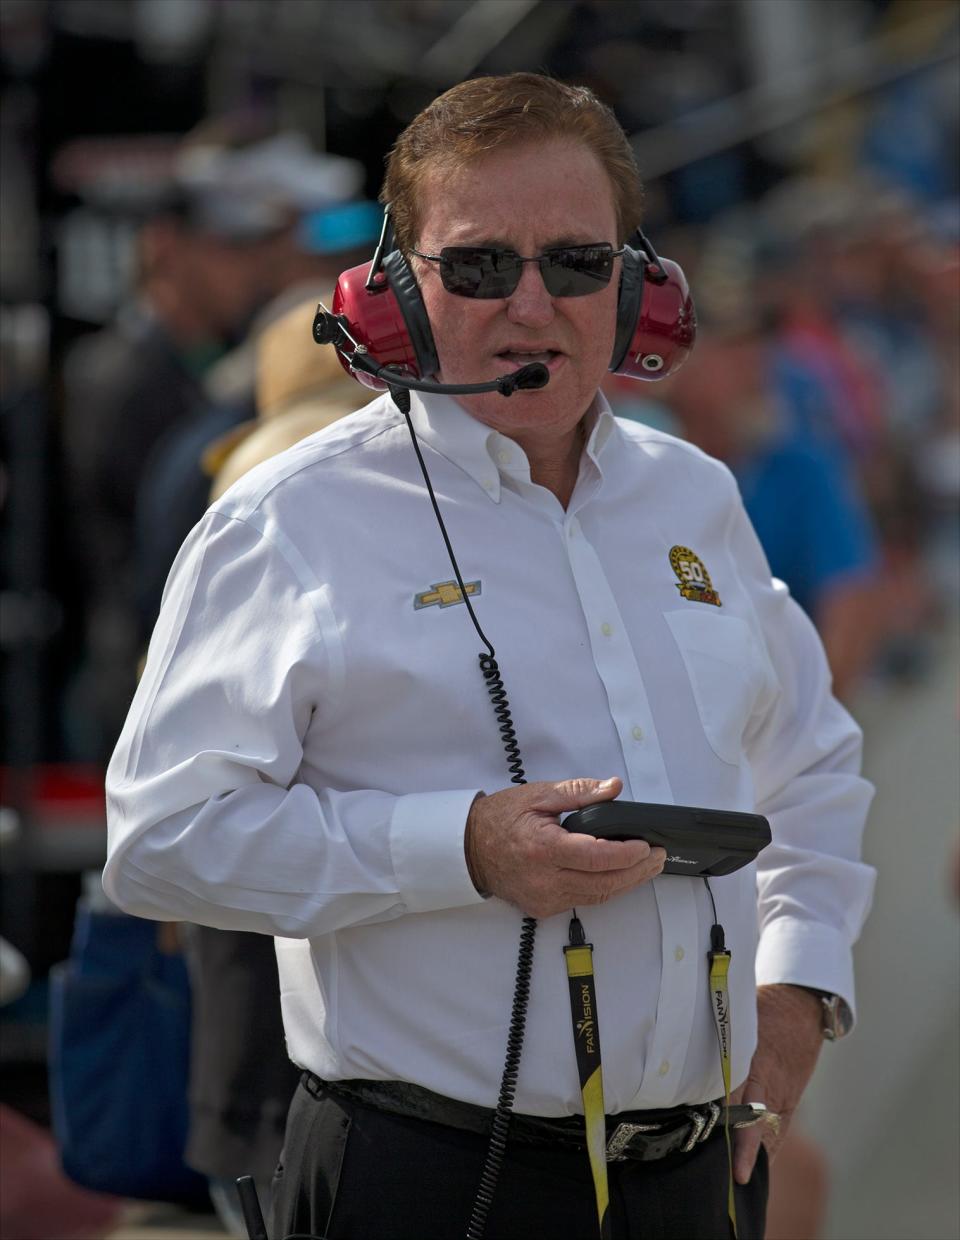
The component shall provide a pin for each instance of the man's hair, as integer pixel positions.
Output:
(487, 113)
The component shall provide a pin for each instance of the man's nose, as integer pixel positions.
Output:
(530, 305)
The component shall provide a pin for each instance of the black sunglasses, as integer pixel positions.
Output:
(484, 272)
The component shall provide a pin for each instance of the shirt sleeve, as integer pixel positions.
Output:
(804, 751)
(207, 819)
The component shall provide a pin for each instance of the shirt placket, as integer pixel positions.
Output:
(617, 667)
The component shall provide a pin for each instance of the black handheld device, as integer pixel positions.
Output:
(700, 843)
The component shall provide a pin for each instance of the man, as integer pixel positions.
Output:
(313, 753)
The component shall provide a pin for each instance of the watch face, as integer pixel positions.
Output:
(837, 1017)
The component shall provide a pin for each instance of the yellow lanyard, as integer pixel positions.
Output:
(719, 959)
(586, 1040)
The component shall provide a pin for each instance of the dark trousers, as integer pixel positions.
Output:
(349, 1172)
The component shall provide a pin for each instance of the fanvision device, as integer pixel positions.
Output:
(700, 843)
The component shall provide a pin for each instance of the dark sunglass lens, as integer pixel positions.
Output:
(469, 271)
(577, 271)
(461, 271)
(503, 275)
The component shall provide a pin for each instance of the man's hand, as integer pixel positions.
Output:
(789, 1039)
(517, 850)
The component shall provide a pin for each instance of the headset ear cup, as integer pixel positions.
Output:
(629, 302)
(407, 292)
(656, 318)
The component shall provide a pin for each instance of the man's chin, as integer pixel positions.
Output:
(538, 409)
(492, 370)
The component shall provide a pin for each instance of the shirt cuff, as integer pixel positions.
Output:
(426, 843)
(802, 953)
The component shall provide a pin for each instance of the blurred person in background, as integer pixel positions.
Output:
(854, 280)
(831, 393)
(223, 244)
(174, 488)
(241, 1078)
(893, 283)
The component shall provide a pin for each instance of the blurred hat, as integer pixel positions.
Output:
(248, 192)
(292, 367)
(301, 388)
(839, 211)
(726, 277)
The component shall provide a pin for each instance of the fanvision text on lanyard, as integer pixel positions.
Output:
(586, 1040)
(579, 961)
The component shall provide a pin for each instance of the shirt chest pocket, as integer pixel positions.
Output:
(729, 673)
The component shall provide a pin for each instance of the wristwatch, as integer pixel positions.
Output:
(836, 1019)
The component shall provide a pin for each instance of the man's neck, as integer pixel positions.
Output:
(555, 464)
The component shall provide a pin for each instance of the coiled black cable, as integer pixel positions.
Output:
(490, 671)
(508, 1083)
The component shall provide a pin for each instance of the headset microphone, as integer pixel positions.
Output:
(534, 375)
(334, 329)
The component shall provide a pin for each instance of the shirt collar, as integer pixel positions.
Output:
(484, 453)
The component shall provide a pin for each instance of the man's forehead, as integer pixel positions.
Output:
(501, 162)
(495, 199)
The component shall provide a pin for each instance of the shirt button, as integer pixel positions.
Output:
(637, 734)
(490, 485)
(606, 629)
(664, 1068)
(678, 953)
(503, 456)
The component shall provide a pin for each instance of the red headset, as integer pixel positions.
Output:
(380, 306)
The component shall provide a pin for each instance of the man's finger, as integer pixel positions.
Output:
(747, 1141)
(587, 888)
(572, 794)
(746, 1147)
(573, 851)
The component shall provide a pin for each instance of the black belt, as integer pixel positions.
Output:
(640, 1135)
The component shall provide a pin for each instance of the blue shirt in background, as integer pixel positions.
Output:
(809, 517)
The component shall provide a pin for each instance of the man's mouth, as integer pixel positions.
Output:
(516, 358)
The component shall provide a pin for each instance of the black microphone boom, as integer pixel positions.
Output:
(533, 375)
(333, 329)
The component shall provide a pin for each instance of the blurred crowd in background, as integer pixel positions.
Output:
(183, 179)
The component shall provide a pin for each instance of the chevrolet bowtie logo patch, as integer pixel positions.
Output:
(694, 581)
(444, 594)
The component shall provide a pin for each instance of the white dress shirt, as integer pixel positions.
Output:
(306, 742)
